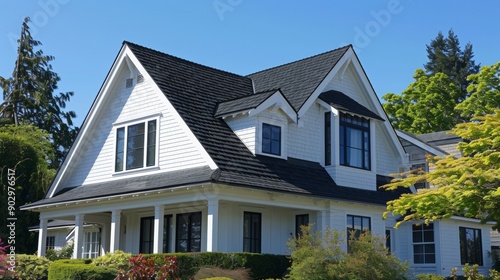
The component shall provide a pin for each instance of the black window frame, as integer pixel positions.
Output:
(252, 236)
(50, 242)
(193, 241)
(474, 256)
(349, 122)
(145, 134)
(424, 243)
(146, 246)
(268, 149)
(300, 220)
(328, 138)
(351, 220)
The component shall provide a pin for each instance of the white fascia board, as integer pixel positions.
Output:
(88, 121)
(470, 220)
(420, 144)
(125, 56)
(346, 58)
(276, 99)
(328, 107)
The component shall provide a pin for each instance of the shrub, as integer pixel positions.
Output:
(221, 273)
(145, 268)
(31, 267)
(65, 253)
(80, 269)
(118, 260)
(430, 277)
(5, 273)
(320, 256)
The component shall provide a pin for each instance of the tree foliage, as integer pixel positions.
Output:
(468, 186)
(29, 95)
(28, 151)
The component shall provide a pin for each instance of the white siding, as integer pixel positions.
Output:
(244, 127)
(94, 161)
(387, 159)
(307, 142)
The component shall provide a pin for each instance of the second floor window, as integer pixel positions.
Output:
(271, 139)
(135, 146)
(354, 139)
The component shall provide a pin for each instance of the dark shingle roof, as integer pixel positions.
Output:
(243, 103)
(299, 79)
(343, 102)
(195, 91)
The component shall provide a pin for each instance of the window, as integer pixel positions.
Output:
(471, 246)
(421, 167)
(50, 243)
(147, 234)
(271, 139)
(388, 240)
(91, 244)
(188, 237)
(328, 138)
(423, 243)
(135, 146)
(252, 224)
(354, 139)
(357, 224)
(300, 220)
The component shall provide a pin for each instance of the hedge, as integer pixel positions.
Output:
(77, 269)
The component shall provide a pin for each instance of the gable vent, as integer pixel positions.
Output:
(129, 82)
(140, 78)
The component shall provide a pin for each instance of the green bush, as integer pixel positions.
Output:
(117, 260)
(79, 270)
(221, 273)
(65, 253)
(320, 256)
(430, 277)
(31, 267)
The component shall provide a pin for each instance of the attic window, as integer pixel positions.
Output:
(129, 82)
(140, 78)
(136, 146)
(271, 139)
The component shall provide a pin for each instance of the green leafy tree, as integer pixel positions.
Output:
(28, 151)
(446, 56)
(485, 92)
(468, 186)
(321, 256)
(29, 95)
(427, 105)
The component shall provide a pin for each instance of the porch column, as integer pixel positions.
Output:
(104, 239)
(42, 237)
(114, 240)
(213, 225)
(158, 229)
(78, 239)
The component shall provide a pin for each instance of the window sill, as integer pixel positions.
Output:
(137, 170)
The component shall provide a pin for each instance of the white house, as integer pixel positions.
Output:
(177, 157)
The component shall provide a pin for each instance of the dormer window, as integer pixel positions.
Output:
(354, 139)
(271, 139)
(136, 146)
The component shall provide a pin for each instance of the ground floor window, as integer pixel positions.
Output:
(188, 232)
(252, 227)
(91, 244)
(356, 225)
(50, 243)
(147, 234)
(471, 247)
(424, 250)
(300, 220)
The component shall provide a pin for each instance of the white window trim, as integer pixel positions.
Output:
(126, 124)
(284, 133)
(436, 247)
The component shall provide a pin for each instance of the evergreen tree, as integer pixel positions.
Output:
(29, 95)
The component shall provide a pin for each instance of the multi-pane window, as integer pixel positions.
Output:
(328, 138)
(188, 232)
(357, 225)
(271, 139)
(354, 136)
(146, 239)
(50, 243)
(91, 244)
(300, 220)
(471, 251)
(252, 225)
(424, 250)
(135, 146)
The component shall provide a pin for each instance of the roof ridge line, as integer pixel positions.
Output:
(302, 59)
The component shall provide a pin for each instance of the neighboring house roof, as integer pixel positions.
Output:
(197, 92)
(343, 102)
(298, 80)
(414, 140)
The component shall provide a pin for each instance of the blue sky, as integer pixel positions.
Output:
(244, 36)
